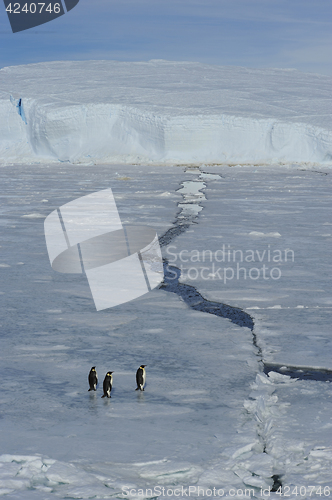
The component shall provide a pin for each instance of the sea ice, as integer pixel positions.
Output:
(209, 416)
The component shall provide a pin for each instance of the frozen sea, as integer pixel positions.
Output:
(228, 411)
(209, 416)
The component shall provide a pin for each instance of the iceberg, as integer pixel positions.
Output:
(163, 112)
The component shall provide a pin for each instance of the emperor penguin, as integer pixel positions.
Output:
(93, 379)
(107, 385)
(140, 378)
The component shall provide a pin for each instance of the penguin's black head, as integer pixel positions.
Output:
(109, 373)
(143, 366)
(93, 369)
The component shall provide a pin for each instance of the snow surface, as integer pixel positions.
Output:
(259, 213)
(162, 112)
(209, 417)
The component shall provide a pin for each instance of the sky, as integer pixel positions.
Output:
(252, 33)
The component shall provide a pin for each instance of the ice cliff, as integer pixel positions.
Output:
(162, 112)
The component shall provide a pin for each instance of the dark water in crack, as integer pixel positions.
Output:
(300, 373)
(189, 293)
(166, 238)
(197, 302)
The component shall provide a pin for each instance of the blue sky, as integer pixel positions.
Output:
(253, 33)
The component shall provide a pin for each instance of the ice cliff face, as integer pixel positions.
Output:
(162, 112)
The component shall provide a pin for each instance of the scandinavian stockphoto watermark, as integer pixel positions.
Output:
(227, 263)
(121, 262)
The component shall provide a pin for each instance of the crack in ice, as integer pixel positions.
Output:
(191, 192)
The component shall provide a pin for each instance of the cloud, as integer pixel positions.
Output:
(256, 33)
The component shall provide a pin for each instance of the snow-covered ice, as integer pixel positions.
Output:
(51, 346)
(162, 112)
(255, 217)
(209, 417)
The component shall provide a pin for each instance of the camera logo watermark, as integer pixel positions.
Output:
(24, 15)
(87, 236)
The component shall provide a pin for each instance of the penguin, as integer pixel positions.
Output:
(107, 385)
(93, 379)
(140, 378)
